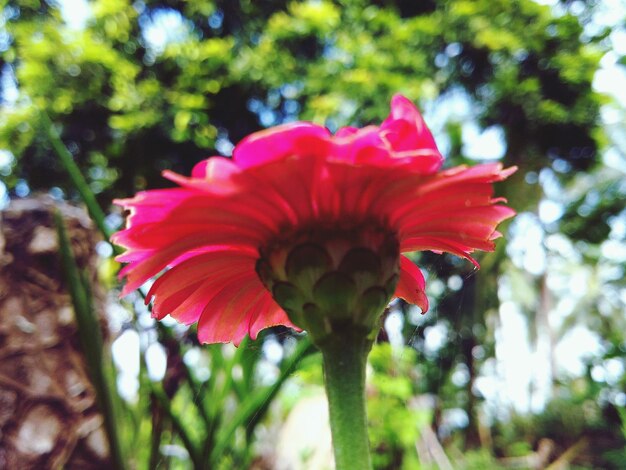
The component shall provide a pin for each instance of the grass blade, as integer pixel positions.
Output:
(67, 160)
(192, 448)
(91, 340)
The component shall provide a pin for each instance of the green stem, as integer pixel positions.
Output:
(345, 358)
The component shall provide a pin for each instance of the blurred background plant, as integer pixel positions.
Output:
(519, 365)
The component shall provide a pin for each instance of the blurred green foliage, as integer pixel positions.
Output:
(395, 419)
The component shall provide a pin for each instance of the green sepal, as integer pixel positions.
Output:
(336, 294)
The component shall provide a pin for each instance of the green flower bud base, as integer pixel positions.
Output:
(335, 284)
(328, 280)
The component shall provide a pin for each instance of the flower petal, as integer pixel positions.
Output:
(438, 245)
(295, 139)
(409, 138)
(152, 262)
(192, 308)
(267, 315)
(228, 309)
(150, 206)
(411, 284)
(359, 146)
(194, 272)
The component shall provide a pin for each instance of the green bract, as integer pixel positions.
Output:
(329, 279)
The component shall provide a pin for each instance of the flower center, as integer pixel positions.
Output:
(327, 279)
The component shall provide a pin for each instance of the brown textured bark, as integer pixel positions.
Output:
(48, 411)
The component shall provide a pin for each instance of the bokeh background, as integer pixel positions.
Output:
(519, 365)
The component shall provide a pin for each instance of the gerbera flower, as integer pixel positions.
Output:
(304, 228)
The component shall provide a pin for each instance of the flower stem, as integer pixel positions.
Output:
(345, 357)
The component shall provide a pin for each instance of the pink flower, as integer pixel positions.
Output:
(303, 227)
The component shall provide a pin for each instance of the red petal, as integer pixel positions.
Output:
(359, 146)
(473, 222)
(438, 245)
(409, 138)
(289, 140)
(227, 310)
(198, 268)
(411, 284)
(191, 309)
(163, 305)
(268, 315)
(153, 262)
(288, 184)
(149, 206)
(215, 168)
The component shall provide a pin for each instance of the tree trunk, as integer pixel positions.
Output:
(48, 411)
